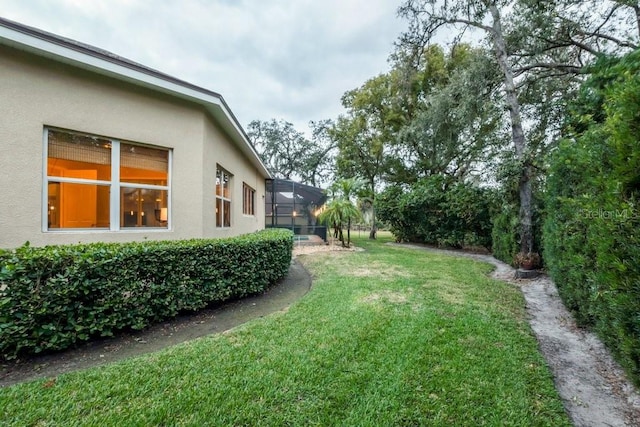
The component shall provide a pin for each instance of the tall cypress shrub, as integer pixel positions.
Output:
(592, 230)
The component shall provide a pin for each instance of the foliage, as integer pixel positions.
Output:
(505, 234)
(340, 211)
(386, 337)
(289, 154)
(435, 211)
(591, 240)
(417, 120)
(541, 49)
(446, 131)
(56, 296)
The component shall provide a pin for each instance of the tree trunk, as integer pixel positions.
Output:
(636, 9)
(517, 133)
(374, 228)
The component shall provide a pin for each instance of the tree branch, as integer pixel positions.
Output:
(548, 65)
(617, 41)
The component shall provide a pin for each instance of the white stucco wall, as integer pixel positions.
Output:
(218, 153)
(36, 92)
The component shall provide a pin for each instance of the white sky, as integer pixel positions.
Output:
(283, 59)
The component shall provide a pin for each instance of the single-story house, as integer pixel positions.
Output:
(95, 147)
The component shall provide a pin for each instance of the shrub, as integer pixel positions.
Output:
(505, 232)
(436, 212)
(55, 296)
(504, 235)
(591, 239)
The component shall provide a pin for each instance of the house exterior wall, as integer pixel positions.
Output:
(218, 154)
(38, 93)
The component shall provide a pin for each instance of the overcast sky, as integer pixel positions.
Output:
(283, 59)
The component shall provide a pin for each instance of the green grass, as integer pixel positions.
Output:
(386, 337)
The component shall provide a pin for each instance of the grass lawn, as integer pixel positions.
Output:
(386, 337)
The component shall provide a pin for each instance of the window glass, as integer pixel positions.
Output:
(227, 213)
(143, 165)
(248, 200)
(72, 155)
(223, 198)
(81, 178)
(218, 212)
(142, 207)
(77, 205)
(218, 182)
(222, 183)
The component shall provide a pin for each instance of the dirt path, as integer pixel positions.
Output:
(593, 387)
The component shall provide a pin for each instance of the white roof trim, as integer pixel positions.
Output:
(102, 62)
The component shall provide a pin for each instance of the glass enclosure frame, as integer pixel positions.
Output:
(289, 204)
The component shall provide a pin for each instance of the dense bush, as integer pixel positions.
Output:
(436, 212)
(592, 231)
(54, 296)
(505, 234)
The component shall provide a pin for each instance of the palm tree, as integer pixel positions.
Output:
(340, 211)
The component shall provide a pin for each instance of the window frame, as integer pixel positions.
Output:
(248, 194)
(114, 185)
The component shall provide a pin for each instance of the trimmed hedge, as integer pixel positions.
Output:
(435, 211)
(56, 296)
(592, 231)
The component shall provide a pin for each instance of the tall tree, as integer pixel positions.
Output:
(541, 50)
(364, 135)
(289, 154)
(427, 17)
(454, 128)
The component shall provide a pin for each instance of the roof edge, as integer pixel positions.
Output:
(38, 41)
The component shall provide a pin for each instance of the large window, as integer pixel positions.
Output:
(98, 182)
(248, 200)
(223, 198)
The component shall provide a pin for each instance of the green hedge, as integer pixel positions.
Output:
(592, 231)
(435, 211)
(53, 297)
(505, 234)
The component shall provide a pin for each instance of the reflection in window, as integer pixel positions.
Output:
(81, 178)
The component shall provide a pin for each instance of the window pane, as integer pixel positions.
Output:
(141, 207)
(247, 201)
(222, 183)
(225, 185)
(143, 165)
(77, 205)
(218, 212)
(73, 155)
(227, 213)
(218, 182)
